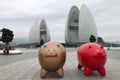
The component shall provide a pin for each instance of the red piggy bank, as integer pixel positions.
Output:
(92, 56)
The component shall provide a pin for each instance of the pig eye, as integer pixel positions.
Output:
(89, 47)
(58, 45)
(45, 46)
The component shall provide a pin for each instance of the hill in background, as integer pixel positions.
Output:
(19, 41)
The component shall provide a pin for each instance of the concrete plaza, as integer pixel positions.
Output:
(26, 67)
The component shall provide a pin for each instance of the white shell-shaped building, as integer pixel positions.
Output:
(72, 26)
(80, 25)
(38, 32)
(86, 24)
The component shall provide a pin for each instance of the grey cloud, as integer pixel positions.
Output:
(19, 14)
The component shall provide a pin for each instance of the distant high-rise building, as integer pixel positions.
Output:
(80, 25)
(39, 32)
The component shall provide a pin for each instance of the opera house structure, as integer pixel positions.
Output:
(39, 32)
(80, 25)
(72, 26)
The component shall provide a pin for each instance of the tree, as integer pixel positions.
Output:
(7, 36)
(92, 38)
(41, 42)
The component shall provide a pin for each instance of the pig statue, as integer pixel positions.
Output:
(52, 56)
(92, 56)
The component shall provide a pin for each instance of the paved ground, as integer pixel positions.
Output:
(26, 67)
(26, 54)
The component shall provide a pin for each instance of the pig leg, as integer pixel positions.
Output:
(87, 71)
(79, 66)
(102, 71)
(60, 72)
(43, 73)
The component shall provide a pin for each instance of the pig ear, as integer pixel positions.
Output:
(101, 47)
(89, 47)
(58, 45)
(45, 46)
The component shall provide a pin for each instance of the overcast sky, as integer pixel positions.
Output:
(19, 16)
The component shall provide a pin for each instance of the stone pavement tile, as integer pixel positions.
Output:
(71, 72)
(4, 68)
(25, 79)
(14, 78)
(113, 70)
(66, 79)
(17, 70)
(3, 78)
(17, 77)
(106, 79)
(115, 78)
(30, 70)
(11, 69)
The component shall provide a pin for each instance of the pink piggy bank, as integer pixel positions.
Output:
(92, 56)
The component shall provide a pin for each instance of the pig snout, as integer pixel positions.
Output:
(99, 55)
(51, 53)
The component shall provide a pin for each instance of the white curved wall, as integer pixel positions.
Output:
(85, 27)
(86, 24)
(44, 32)
(34, 34)
(38, 32)
(72, 26)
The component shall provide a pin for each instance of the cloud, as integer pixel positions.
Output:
(107, 20)
(19, 15)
